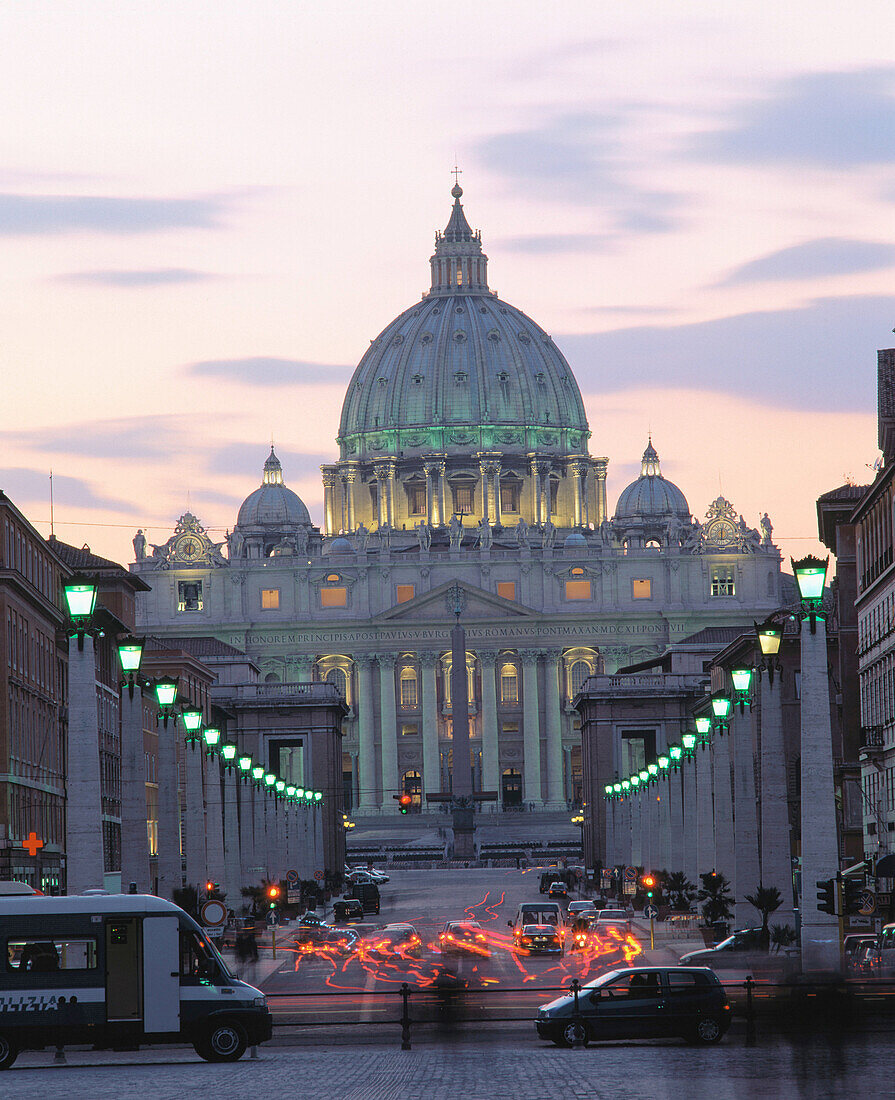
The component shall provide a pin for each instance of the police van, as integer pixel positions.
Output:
(118, 971)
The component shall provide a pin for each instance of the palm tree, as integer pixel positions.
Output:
(680, 891)
(766, 900)
(716, 897)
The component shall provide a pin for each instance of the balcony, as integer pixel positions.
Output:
(873, 742)
(317, 692)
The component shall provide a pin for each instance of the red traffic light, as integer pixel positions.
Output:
(273, 892)
(648, 880)
(405, 802)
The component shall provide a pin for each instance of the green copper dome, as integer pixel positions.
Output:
(462, 371)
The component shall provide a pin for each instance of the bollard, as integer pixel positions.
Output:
(579, 1041)
(405, 1016)
(253, 1054)
(59, 1056)
(750, 1012)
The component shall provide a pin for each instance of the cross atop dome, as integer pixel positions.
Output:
(458, 264)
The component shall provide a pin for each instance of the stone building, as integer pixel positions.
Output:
(463, 459)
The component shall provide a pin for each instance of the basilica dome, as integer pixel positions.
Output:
(651, 496)
(461, 371)
(272, 505)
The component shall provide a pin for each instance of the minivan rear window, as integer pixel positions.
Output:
(47, 956)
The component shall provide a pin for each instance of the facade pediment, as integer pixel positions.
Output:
(433, 606)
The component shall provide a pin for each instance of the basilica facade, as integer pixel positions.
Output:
(464, 460)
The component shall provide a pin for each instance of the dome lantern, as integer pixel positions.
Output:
(459, 264)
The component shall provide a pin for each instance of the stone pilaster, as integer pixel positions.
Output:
(349, 474)
(690, 861)
(431, 763)
(388, 732)
(705, 820)
(725, 862)
(490, 737)
(553, 716)
(214, 820)
(134, 835)
(531, 776)
(329, 484)
(194, 814)
(745, 839)
(776, 845)
(83, 825)
(369, 786)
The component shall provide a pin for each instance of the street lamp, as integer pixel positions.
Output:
(130, 657)
(280, 785)
(270, 779)
(704, 729)
(688, 743)
(676, 753)
(318, 796)
(80, 601)
(192, 720)
(721, 709)
(770, 635)
(166, 697)
(663, 762)
(258, 773)
(811, 575)
(228, 751)
(245, 765)
(742, 685)
(212, 737)
(652, 771)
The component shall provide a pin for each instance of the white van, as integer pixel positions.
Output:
(538, 912)
(118, 970)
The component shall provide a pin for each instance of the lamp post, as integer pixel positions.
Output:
(194, 798)
(689, 805)
(819, 835)
(636, 823)
(705, 813)
(134, 832)
(214, 809)
(169, 864)
(259, 846)
(231, 824)
(84, 859)
(746, 875)
(723, 797)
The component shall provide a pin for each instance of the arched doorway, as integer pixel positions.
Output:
(511, 788)
(412, 784)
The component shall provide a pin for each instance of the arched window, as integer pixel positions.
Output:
(338, 677)
(412, 784)
(509, 684)
(578, 673)
(470, 679)
(271, 678)
(409, 689)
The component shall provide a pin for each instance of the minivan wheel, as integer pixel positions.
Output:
(223, 1042)
(708, 1030)
(574, 1034)
(8, 1051)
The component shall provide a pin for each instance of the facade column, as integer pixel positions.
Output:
(820, 842)
(484, 472)
(745, 837)
(725, 863)
(555, 799)
(329, 484)
(637, 829)
(247, 861)
(365, 731)
(585, 506)
(134, 834)
(599, 468)
(495, 471)
(350, 480)
(390, 483)
(170, 861)
(355, 790)
(776, 846)
(232, 873)
(431, 762)
(575, 471)
(531, 719)
(690, 862)
(535, 466)
(705, 818)
(441, 482)
(381, 474)
(429, 471)
(490, 740)
(388, 732)
(662, 846)
(84, 858)
(214, 820)
(194, 813)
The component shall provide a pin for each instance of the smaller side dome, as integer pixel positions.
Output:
(272, 519)
(651, 496)
(574, 541)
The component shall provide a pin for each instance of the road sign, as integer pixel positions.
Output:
(213, 913)
(292, 875)
(215, 932)
(273, 918)
(318, 875)
(630, 874)
(650, 912)
(868, 903)
(293, 897)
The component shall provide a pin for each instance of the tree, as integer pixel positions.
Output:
(716, 897)
(679, 891)
(766, 900)
(782, 935)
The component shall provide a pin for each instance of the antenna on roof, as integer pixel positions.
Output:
(52, 531)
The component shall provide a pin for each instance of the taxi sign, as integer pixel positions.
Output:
(213, 913)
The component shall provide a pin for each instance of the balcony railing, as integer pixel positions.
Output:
(872, 738)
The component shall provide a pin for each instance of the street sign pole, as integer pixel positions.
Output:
(652, 934)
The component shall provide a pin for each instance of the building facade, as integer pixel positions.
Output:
(463, 460)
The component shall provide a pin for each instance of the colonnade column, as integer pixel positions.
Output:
(599, 468)
(194, 812)
(170, 864)
(490, 742)
(705, 820)
(776, 847)
(555, 794)
(259, 837)
(745, 839)
(495, 470)
(388, 732)
(662, 847)
(484, 471)
(134, 837)
(677, 836)
(647, 826)
(531, 719)
(85, 862)
(365, 731)
(247, 860)
(575, 469)
(431, 763)
(350, 474)
(391, 494)
(636, 829)
(441, 483)
(725, 863)
(611, 823)
(329, 484)
(689, 827)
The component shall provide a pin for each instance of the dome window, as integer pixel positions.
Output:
(417, 379)
(494, 336)
(524, 338)
(399, 339)
(461, 376)
(459, 309)
(503, 377)
(426, 338)
(460, 337)
(541, 378)
(381, 381)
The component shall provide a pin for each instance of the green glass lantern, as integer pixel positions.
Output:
(165, 691)
(130, 655)
(269, 778)
(617, 787)
(770, 635)
(688, 742)
(721, 706)
(212, 737)
(703, 725)
(290, 791)
(742, 680)
(652, 771)
(318, 796)
(80, 598)
(258, 773)
(245, 763)
(299, 792)
(228, 752)
(281, 786)
(192, 719)
(811, 575)
(309, 795)
(644, 775)
(663, 762)
(635, 781)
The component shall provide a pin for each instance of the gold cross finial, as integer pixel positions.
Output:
(455, 171)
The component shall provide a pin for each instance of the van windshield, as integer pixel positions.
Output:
(539, 914)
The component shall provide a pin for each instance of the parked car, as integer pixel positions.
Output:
(463, 937)
(739, 949)
(367, 893)
(379, 877)
(854, 945)
(643, 1003)
(539, 939)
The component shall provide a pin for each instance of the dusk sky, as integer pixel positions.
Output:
(208, 210)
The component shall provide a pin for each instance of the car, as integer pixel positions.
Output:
(463, 937)
(558, 890)
(367, 893)
(379, 877)
(538, 939)
(579, 909)
(739, 949)
(347, 911)
(312, 931)
(355, 877)
(613, 918)
(401, 940)
(640, 1003)
(854, 948)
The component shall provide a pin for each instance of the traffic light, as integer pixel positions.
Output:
(273, 895)
(852, 890)
(648, 882)
(826, 897)
(404, 802)
(868, 868)
(211, 887)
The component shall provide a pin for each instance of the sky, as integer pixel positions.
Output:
(209, 209)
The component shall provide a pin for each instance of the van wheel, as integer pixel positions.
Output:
(8, 1051)
(707, 1031)
(223, 1042)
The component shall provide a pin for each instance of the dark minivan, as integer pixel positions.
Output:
(648, 1002)
(367, 893)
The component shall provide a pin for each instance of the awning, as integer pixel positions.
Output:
(885, 868)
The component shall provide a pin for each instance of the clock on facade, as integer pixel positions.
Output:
(722, 532)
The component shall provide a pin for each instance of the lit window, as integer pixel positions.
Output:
(578, 590)
(554, 495)
(270, 599)
(459, 275)
(577, 572)
(462, 495)
(334, 597)
(642, 588)
(404, 592)
(416, 499)
(578, 673)
(509, 684)
(333, 578)
(409, 691)
(189, 596)
(338, 677)
(510, 495)
(507, 589)
(722, 580)
(409, 729)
